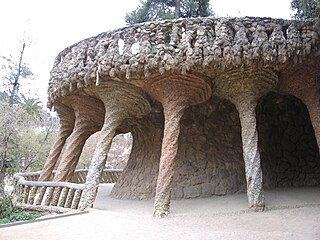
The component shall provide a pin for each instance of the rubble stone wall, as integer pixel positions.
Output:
(289, 151)
(209, 159)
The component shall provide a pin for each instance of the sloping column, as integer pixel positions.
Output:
(121, 101)
(67, 120)
(172, 113)
(243, 88)
(176, 93)
(89, 113)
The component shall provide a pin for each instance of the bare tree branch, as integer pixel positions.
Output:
(15, 84)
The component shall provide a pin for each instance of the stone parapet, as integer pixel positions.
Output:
(201, 45)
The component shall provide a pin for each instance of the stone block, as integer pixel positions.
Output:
(206, 189)
(219, 190)
(193, 191)
(195, 180)
(177, 193)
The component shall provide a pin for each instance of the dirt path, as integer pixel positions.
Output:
(292, 214)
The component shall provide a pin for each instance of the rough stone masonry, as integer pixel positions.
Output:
(215, 106)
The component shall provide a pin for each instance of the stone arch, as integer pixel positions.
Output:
(209, 158)
(91, 143)
(120, 150)
(288, 147)
(138, 180)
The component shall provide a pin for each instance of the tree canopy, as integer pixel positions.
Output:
(26, 128)
(306, 8)
(153, 10)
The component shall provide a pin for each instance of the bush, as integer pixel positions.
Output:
(10, 213)
(6, 203)
(20, 215)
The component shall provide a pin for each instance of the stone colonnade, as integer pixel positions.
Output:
(167, 66)
(80, 117)
(67, 122)
(119, 102)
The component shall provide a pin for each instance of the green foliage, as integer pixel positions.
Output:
(27, 132)
(6, 203)
(13, 72)
(194, 8)
(26, 129)
(10, 69)
(9, 213)
(153, 10)
(306, 8)
(20, 215)
(32, 106)
(12, 121)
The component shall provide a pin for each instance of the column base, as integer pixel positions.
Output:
(257, 207)
(161, 208)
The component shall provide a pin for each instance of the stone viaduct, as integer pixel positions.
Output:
(215, 106)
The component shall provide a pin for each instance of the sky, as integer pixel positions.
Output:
(52, 25)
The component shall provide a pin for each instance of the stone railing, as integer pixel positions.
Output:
(201, 45)
(55, 195)
(107, 176)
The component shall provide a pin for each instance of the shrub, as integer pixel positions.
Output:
(10, 213)
(20, 215)
(6, 203)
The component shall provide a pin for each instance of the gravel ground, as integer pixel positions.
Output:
(292, 213)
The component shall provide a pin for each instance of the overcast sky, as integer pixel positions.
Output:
(53, 25)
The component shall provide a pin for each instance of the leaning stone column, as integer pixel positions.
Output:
(243, 88)
(89, 114)
(121, 101)
(176, 93)
(67, 120)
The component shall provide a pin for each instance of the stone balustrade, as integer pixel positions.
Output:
(40, 193)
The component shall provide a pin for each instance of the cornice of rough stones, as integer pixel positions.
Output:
(203, 46)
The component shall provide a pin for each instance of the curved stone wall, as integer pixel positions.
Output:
(289, 151)
(207, 164)
(202, 45)
(170, 84)
(212, 164)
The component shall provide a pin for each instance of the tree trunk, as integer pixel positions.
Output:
(15, 84)
(177, 9)
(2, 172)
